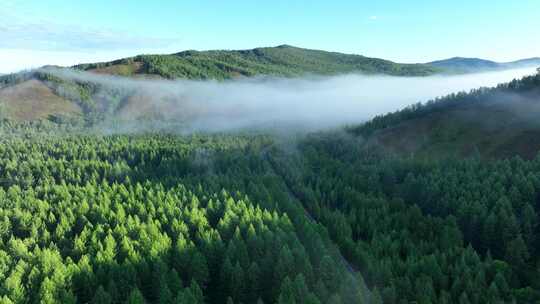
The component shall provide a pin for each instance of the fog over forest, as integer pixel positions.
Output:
(312, 102)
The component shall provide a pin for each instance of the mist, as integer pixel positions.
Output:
(308, 103)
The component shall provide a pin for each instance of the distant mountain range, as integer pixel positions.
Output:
(468, 65)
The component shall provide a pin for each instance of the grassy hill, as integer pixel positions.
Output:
(33, 100)
(284, 60)
(39, 95)
(494, 122)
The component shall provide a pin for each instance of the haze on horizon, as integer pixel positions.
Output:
(60, 32)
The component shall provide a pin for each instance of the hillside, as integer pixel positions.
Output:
(284, 60)
(33, 100)
(471, 65)
(496, 122)
(460, 64)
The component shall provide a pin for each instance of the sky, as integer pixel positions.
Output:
(65, 32)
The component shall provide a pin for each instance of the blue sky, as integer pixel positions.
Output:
(33, 33)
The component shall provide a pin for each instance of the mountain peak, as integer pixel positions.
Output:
(286, 46)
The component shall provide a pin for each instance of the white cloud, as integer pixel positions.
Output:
(26, 41)
(29, 41)
(40, 35)
(373, 17)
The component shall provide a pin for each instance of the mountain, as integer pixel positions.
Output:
(497, 122)
(284, 60)
(524, 62)
(461, 64)
(469, 65)
(33, 100)
(32, 96)
(35, 95)
(38, 95)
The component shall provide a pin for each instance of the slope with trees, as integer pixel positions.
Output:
(487, 122)
(283, 61)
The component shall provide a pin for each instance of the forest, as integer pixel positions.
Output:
(255, 217)
(248, 218)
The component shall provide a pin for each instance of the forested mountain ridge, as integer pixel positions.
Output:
(43, 92)
(468, 65)
(490, 122)
(284, 61)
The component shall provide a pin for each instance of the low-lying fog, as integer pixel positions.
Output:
(310, 102)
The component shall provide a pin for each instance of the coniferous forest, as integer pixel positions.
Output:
(222, 218)
(258, 217)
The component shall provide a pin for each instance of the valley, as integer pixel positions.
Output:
(110, 194)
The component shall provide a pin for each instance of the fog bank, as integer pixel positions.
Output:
(310, 103)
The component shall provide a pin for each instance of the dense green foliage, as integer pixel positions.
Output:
(203, 218)
(278, 61)
(159, 219)
(453, 231)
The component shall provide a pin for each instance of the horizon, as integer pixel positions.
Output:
(33, 33)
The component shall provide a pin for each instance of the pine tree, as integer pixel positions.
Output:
(253, 283)
(287, 292)
(517, 253)
(198, 268)
(196, 292)
(135, 297)
(101, 296)
(165, 295)
(328, 273)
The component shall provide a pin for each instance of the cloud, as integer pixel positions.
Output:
(27, 41)
(23, 28)
(373, 17)
(282, 104)
(47, 36)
